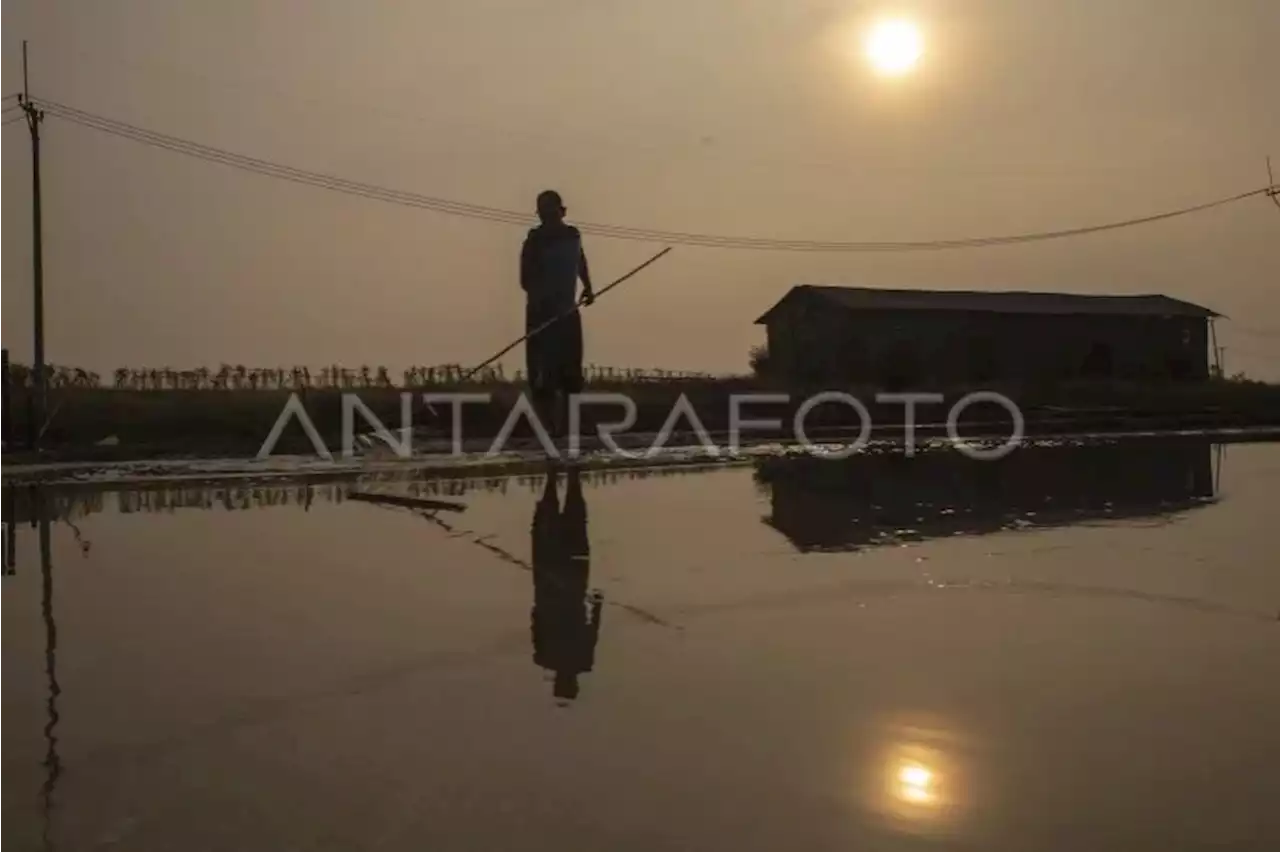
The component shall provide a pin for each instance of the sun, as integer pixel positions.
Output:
(894, 47)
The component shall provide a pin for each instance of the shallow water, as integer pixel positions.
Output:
(1075, 648)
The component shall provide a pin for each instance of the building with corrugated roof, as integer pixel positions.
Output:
(920, 338)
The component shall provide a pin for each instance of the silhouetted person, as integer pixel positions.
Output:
(551, 262)
(564, 631)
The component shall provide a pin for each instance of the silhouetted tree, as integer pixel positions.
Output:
(759, 360)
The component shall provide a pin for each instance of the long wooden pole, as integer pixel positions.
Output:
(368, 438)
(557, 319)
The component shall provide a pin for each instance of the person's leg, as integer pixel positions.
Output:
(572, 379)
(544, 409)
(533, 350)
(552, 391)
(574, 516)
(540, 352)
(557, 342)
(560, 423)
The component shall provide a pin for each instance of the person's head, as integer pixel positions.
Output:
(550, 206)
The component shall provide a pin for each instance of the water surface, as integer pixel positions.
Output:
(1075, 648)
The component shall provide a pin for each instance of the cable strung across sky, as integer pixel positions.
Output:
(513, 217)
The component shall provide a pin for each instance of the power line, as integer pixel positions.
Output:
(499, 215)
(495, 214)
(1256, 332)
(278, 170)
(266, 89)
(1252, 353)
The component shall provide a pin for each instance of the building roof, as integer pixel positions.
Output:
(992, 301)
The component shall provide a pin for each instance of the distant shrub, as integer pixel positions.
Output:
(758, 358)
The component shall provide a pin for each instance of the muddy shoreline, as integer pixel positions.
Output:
(529, 458)
(119, 426)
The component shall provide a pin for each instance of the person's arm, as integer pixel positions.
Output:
(526, 263)
(584, 272)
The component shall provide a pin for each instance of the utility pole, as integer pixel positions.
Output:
(52, 761)
(39, 402)
(1217, 350)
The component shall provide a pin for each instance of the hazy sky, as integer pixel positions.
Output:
(745, 117)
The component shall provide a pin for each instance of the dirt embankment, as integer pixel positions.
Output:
(124, 424)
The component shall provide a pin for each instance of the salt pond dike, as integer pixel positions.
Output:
(435, 458)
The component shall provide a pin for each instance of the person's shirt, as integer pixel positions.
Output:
(550, 262)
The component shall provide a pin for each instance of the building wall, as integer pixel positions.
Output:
(811, 341)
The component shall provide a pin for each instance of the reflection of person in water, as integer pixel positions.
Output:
(564, 632)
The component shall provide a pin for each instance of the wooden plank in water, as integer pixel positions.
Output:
(408, 502)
